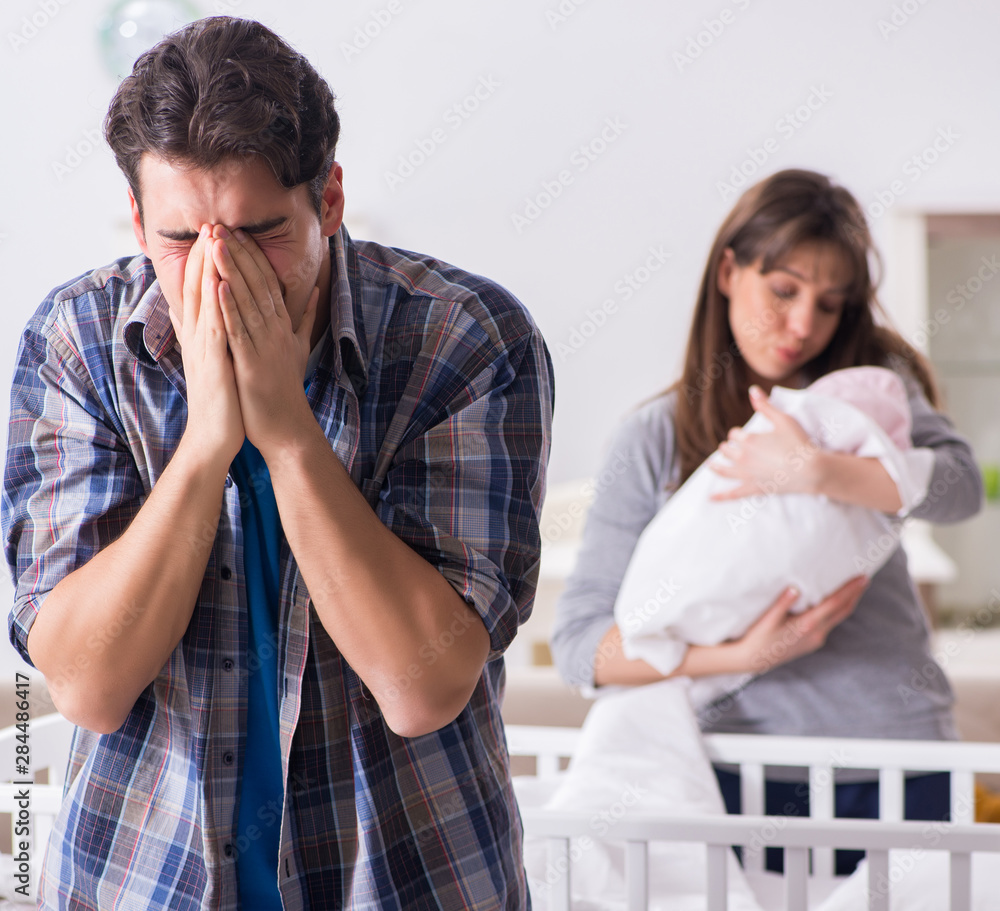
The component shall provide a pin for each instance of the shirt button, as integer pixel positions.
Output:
(228, 850)
(226, 573)
(227, 758)
(227, 664)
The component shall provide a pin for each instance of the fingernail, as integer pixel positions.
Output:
(239, 235)
(756, 391)
(224, 233)
(792, 591)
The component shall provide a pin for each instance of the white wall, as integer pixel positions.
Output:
(549, 87)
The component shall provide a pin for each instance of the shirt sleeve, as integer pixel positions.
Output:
(628, 490)
(70, 486)
(955, 486)
(465, 486)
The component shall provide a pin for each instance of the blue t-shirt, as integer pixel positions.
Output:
(262, 791)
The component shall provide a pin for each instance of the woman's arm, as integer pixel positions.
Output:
(955, 490)
(786, 460)
(775, 638)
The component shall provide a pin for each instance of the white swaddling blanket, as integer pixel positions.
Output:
(703, 571)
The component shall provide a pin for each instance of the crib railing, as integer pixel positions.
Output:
(816, 837)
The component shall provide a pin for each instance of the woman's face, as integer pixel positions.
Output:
(782, 319)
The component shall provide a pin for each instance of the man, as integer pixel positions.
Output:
(271, 506)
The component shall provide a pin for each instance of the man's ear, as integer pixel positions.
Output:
(331, 210)
(137, 229)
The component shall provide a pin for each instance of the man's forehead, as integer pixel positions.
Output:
(178, 196)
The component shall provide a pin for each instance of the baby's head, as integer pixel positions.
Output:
(877, 392)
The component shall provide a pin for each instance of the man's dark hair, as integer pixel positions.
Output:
(221, 89)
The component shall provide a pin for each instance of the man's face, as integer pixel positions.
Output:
(177, 200)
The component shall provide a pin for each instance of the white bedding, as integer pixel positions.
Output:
(640, 751)
(638, 754)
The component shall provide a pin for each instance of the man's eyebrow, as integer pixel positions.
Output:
(181, 235)
(262, 227)
(185, 235)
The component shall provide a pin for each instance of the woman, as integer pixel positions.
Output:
(787, 296)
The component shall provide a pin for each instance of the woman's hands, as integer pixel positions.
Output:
(786, 460)
(783, 460)
(778, 636)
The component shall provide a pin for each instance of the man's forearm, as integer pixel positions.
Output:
(384, 606)
(106, 630)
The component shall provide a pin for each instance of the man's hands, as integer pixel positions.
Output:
(213, 404)
(243, 361)
(269, 355)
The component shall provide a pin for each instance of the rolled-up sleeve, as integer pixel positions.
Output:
(465, 486)
(70, 487)
(955, 489)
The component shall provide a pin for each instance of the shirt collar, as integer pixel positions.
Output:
(346, 321)
(149, 334)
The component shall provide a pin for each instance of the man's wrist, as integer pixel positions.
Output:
(194, 458)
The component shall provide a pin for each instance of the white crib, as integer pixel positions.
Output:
(807, 839)
(804, 839)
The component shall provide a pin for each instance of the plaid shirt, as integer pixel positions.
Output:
(434, 388)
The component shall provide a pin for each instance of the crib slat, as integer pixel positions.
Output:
(821, 806)
(963, 797)
(961, 882)
(752, 804)
(636, 875)
(890, 794)
(559, 860)
(718, 878)
(878, 880)
(796, 877)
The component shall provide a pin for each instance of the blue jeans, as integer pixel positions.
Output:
(928, 797)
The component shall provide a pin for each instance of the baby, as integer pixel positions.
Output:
(703, 570)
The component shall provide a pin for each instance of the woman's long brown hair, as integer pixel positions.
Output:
(767, 223)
